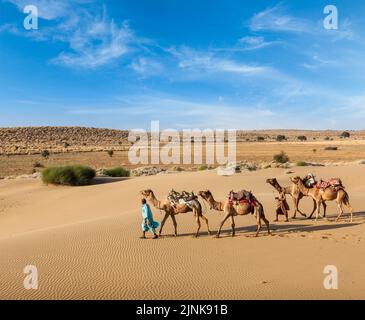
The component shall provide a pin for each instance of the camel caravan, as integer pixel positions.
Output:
(244, 203)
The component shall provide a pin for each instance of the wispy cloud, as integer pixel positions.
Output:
(49, 9)
(145, 67)
(208, 61)
(92, 38)
(276, 19)
(254, 43)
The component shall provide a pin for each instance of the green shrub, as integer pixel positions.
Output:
(116, 172)
(202, 167)
(281, 157)
(68, 175)
(301, 164)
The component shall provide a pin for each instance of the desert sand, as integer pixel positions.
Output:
(85, 242)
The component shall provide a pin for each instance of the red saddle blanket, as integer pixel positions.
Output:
(241, 197)
(334, 182)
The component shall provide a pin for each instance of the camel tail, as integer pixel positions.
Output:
(261, 211)
(346, 200)
(199, 207)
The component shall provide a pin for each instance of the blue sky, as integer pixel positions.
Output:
(192, 63)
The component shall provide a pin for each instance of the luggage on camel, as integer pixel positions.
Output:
(310, 180)
(334, 183)
(242, 197)
(184, 197)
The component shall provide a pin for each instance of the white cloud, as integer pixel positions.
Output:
(275, 19)
(93, 47)
(146, 67)
(93, 39)
(209, 62)
(48, 9)
(254, 43)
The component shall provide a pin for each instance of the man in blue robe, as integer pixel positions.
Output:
(148, 223)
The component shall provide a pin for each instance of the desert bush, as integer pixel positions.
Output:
(116, 172)
(110, 153)
(45, 154)
(327, 138)
(302, 138)
(260, 138)
(202, 167)
(331, 148)
(68, 175)
(281, 157)
(314, 150)
(345, 135)
(280, 138)
(301, 164)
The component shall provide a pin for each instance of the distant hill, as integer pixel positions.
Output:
(30, 140)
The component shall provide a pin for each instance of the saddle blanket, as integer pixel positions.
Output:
(334, 182)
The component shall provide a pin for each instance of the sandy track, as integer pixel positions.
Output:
(85, 243)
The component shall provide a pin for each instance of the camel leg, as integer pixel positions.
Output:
(199, 225)
(163, 223)
(233, 225)
(324, 209)
(314, 209)
(261, 216)
(258, 220)
(206, 221)
(175, 224)
(339, 204)
(348, 205)
(318, 212)
(297, 208)
(222, 223)
(295, 202)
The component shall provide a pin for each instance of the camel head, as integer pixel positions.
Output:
(272, 181)
(295, 179)
(205, 194)
(147, 193)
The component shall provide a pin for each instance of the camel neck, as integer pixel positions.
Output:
(154, 201)
(215, 204)
(303, 189)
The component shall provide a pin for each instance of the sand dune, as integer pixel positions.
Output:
(84, 242)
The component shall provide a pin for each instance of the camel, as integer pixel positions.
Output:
(321, 196)
(295, 193)
(172, 211)
(232, 210)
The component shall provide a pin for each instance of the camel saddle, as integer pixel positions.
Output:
(241, 197)
(184, 197)
(335, 183)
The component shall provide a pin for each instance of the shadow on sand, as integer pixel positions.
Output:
(281, 229)
(104, 180)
